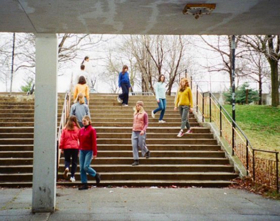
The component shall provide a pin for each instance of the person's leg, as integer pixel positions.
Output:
(183, 121)
(142, 144)
(81, 124)
(134, 141)
(123, 96)
(82, 166)
(74, 155)
(67, 155)
(184, 117)
(159, 106)
(163, 104)
(87, 163)
(126, 94)
(187, 118)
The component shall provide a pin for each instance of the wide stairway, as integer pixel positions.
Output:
(192, 160)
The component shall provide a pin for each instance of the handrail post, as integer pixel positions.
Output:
(221, 123)
(202, 107)
(247, 157)
(196, 98)
(277, 173)
(254, 174)
(232, 140)
(210, 107)
(191, 83)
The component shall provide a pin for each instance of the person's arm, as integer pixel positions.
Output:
(72, 110)
(94, 143)
(176, 100)
(87, 110)
(62, 140)
(146, 122)
(156, 91)
(191, 99)
(87, 93)
(75, 92)
(128, 79)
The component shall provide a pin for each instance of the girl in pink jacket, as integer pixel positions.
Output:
(138, 137)
(70, 146)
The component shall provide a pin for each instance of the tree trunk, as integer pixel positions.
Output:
(274, 82)
(260, 89)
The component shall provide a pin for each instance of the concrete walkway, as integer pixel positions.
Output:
(143, 204)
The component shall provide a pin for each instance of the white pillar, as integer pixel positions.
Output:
(45, 126)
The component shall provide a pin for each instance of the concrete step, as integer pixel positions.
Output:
(115, 147)
(134, 183)
(128, 160)
(151, 135)
(202, 147)
(16, 135)
(182, 140)
(127, 168)
(23, 111)
(128, 129)
(176, 141)
(126, 153)
(129, 119)
(115, 135)
(107, 176)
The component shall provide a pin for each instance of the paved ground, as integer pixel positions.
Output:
(143, 204)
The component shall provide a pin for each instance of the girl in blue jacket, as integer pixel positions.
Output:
(124, 83)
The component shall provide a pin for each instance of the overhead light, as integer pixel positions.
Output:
(198, 9)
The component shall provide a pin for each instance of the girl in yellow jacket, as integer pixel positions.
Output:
(83, 88)
(184, 102)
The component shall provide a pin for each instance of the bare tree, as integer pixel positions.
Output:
(269, 45)
(222, 47)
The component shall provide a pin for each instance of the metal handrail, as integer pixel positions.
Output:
(236, 127)
(64, 116)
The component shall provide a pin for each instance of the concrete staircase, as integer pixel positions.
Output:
(193, 160)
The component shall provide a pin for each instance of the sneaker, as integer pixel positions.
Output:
(162, 121)
(153, 115)
(97, 178)
(136, 163)
(119, 100)
(148, 154)
(180, 134)
(83, 187)
(66, 171)
(72, 179)
(189, 131)
(125, 105)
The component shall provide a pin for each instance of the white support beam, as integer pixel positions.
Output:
(45, 128)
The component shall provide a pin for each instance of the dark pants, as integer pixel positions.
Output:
(125, 92)
(68, 154)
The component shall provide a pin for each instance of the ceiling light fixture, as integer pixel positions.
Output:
(198, 9)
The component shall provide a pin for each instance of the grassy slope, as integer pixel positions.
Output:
(261, 124)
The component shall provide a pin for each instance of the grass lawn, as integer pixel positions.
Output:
(261, 124)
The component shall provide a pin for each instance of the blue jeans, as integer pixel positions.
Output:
(161, 107)
(184, 112)
(85, 160)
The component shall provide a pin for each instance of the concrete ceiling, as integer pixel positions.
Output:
(138, 17)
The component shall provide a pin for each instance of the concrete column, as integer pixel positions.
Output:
(45, 128)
